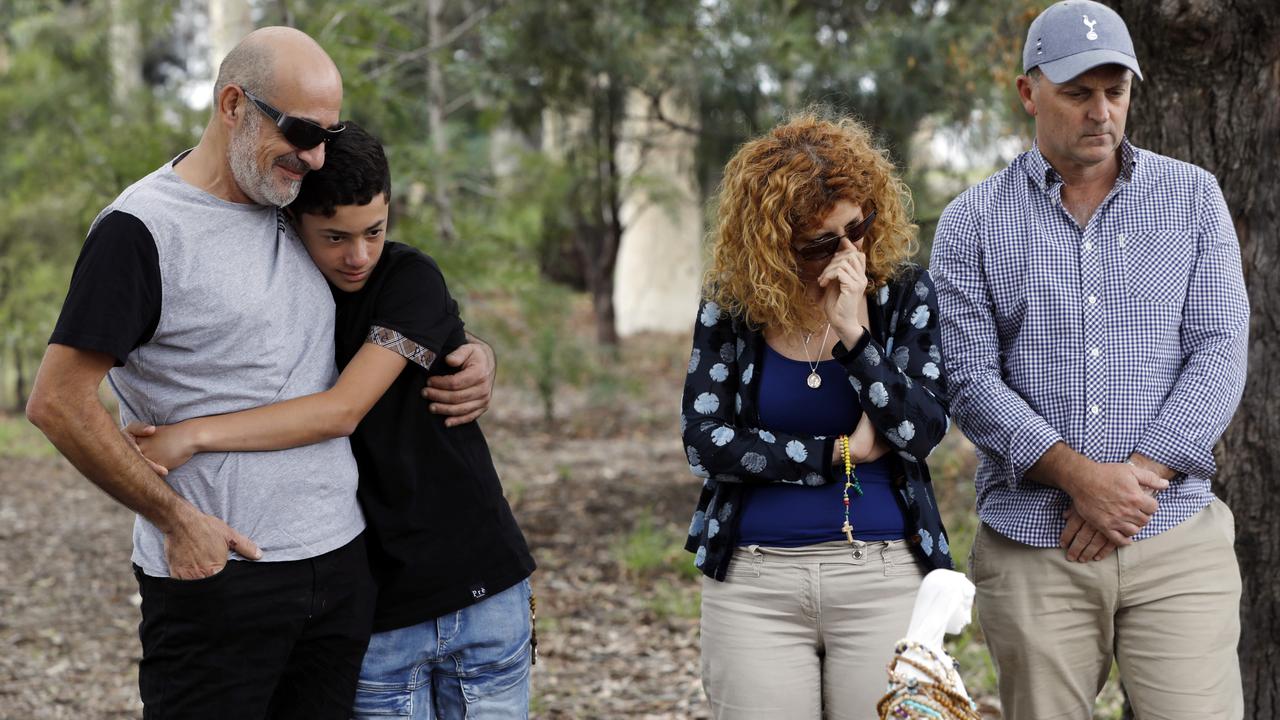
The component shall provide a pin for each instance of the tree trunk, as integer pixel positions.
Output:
(125, 41)
(229, 22)
(611, 211)
(19, 380)
(1212, 97)
(597, 198)
(437, 101)
(286, 15)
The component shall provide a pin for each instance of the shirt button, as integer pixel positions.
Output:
(1093, 299)
(1094, 409)
(1088, 246)
(1120, 239)
(1095, 351)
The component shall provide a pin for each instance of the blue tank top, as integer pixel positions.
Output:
(785, 515)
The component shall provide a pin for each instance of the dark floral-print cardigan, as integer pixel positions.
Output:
(898, 373)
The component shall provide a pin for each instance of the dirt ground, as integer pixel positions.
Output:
(68, 608)
(617, 623)
(604, 502)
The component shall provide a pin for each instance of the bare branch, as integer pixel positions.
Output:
(459, 102)
(445, 40)
(333, 22)
(655, 106)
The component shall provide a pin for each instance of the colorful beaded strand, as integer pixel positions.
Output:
(850, 481)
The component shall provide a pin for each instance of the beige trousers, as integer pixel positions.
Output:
(806, 633)
(1166, 608)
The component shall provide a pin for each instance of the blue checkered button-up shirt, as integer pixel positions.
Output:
(1127, 335)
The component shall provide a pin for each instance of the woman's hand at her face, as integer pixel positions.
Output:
(844, 298)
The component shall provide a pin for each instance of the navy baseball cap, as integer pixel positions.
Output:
(1073, 37)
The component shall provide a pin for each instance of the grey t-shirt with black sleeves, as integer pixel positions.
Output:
(244, 319)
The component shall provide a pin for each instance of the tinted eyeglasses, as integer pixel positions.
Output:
(826, 245)
(300, 132)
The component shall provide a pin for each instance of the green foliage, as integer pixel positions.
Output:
(553, 358)
(538, 95)
(651, 548)
(69, 148)
(19, 439)
(670, 600)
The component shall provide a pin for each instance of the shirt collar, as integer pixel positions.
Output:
(1045, 177)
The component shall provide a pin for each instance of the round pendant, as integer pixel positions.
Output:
(814, 381)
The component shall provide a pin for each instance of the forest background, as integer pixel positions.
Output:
(522, 136)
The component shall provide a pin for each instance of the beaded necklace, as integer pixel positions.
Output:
(850, 481)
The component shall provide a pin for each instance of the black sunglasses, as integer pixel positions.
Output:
(826, 246)
(300, 132)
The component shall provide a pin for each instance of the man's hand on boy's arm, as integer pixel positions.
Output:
(464, 395)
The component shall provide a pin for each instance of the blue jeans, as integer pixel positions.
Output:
(473, 663)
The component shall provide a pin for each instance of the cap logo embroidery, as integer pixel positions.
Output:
(1090, 23)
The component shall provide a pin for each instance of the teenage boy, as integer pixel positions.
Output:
(452, 628)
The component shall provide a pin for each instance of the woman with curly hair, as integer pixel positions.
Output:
(815, 391)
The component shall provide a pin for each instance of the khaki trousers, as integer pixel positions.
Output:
(1166, 608)
(806, 633)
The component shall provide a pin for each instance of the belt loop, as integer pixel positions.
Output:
(886, 552)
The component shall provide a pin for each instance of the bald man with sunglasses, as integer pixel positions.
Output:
(193, 297)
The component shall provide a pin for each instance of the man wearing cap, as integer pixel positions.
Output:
(192, 298)
(1095, 322)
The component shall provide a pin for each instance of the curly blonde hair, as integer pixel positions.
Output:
(785, 184)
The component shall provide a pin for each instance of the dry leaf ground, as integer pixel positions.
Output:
(603, 495)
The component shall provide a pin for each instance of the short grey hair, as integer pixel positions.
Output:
(250, 64)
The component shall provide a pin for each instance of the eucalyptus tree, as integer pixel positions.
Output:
(1211, 96)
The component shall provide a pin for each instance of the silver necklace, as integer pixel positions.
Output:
(814, 380)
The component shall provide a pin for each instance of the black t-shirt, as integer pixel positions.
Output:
(441, 534)
(113, 304)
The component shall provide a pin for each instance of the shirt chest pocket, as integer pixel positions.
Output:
(1157, 266)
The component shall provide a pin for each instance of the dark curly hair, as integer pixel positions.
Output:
(355, 170)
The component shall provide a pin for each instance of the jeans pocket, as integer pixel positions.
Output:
(382, 700)
(494, 668)
(492, 641)
(393, 670)
(499, 680)
(203, 584)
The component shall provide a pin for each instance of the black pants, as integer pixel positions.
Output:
(257, 640)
